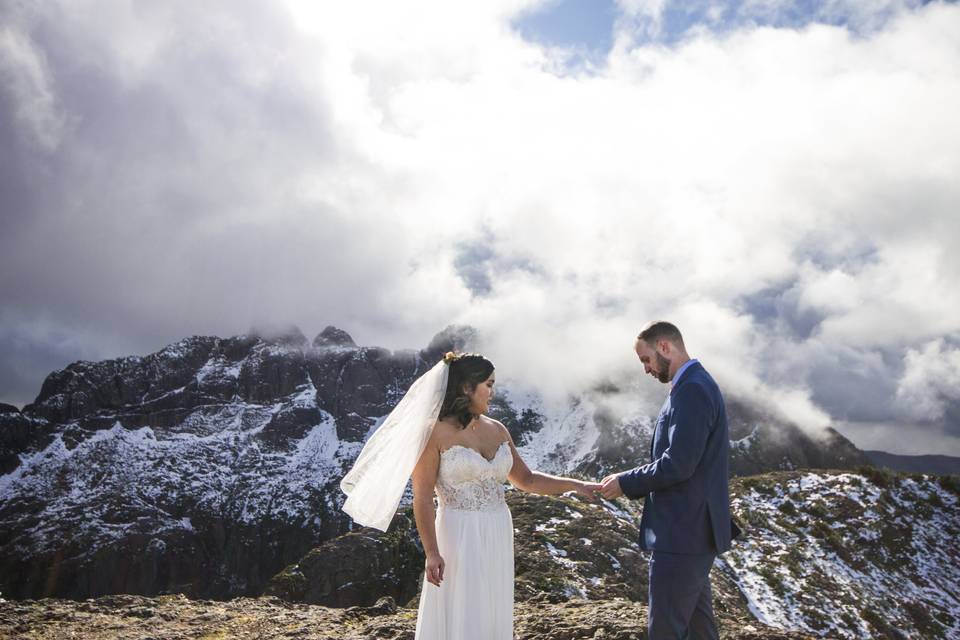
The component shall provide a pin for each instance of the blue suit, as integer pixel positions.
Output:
(686, 514)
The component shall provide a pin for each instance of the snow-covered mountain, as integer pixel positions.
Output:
(208, 466)
(850, 555)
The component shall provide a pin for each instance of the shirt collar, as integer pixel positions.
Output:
(683, 367)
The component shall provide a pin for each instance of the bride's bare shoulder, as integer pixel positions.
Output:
(493, 423)
(443, 431)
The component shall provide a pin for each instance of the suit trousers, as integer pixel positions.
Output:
(680, 603)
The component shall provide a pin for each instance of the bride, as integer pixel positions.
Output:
(438, 433)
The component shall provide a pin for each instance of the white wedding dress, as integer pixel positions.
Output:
(475, 538)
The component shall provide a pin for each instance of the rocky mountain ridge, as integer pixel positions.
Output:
(208, 466)
(938, 464)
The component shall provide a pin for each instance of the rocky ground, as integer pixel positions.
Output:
(580, 574)
(871, 554)
(864, 555)
(179, 618)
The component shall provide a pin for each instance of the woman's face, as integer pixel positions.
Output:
(480, 396)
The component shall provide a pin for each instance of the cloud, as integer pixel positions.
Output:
(930, 385)
(784, 188)
(25, 79)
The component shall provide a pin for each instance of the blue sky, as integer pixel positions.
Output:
(571, 23)
(588, 25)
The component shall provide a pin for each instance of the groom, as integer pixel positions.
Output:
(686, 512)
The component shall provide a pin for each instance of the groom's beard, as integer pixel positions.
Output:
(663, 369)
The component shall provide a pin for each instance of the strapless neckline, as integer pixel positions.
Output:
(485, 458)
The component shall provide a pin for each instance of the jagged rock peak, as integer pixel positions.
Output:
(456, 337)
(333, 337)
(8, 408)
(289, 335)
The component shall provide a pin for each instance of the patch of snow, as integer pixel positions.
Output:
(550, 525)
(306, 396)
(746, 443)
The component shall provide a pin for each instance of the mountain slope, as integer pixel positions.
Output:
(851, 556)
(208, 466)
(202, 468)
(825, 554)
(945, 465)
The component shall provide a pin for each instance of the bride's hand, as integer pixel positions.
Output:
(434, 568)
(588, 490)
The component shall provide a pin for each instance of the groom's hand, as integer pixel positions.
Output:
(610, 487)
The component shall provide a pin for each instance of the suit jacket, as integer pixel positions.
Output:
(686, 496)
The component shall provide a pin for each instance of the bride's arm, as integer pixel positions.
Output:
(424, 480)
(524, 479)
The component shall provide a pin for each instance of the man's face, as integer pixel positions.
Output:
(654, 362)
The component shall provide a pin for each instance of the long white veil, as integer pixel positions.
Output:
(375, 484)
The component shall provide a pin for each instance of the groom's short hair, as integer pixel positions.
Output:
(661, 330)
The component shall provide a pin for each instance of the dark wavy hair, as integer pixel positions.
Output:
(468, 370)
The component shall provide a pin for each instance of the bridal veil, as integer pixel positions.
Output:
(375, 484)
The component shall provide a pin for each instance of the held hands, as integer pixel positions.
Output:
(434, 568)
(610, 487)
(588, 490)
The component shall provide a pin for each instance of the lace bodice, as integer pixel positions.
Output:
(469, 482)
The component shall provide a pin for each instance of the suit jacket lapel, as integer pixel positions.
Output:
(664, 410)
